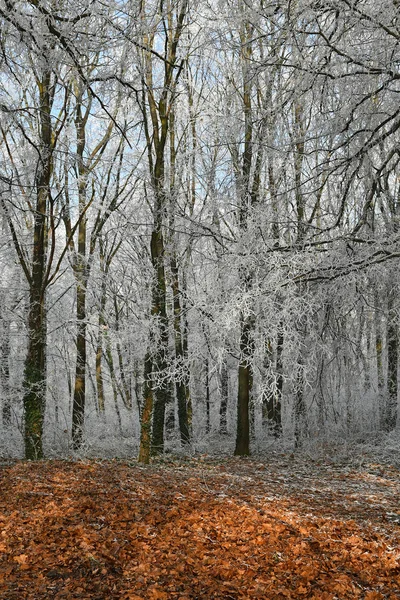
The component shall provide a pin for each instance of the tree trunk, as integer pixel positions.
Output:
(245, 382)
(277, 414)
(223, 409)
(392, 383)
(248, 196)
(125, 391)
(182, 390)
(146, 414)
(300, 410)
(273, 397)
(78, 406)
(5, 369)
(81, 276)
(35, 377)
(159, 358)
(99, 352)
(35, 364)
(379, 361)
(157, 110)
(207, 386)
(114, 384)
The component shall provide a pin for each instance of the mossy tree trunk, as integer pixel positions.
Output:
(35, 363)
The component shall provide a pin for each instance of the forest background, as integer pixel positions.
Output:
(199, 206)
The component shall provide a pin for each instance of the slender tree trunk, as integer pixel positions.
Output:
(182, 391)
(99, 371)
(81, 276)
(392, 366)
(78, 405)
(379, 362)
(273, 397)
(137, 384)
(300, 409)
(126, 394)
(185, 344)
(170, 413)
(99, 348)
(207, 386)
(182, 380)
(277, 415)
(157, 109)
(114, 384)
(223, 409)
(242, 447)
(146, 413)
(5, 370)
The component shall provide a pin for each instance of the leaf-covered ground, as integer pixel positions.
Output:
(278, 528)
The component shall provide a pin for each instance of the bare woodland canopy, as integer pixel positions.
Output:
(199, 205)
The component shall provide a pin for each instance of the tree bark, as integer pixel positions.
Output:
(245, 382)
(207, 386)
(35, 363)
(146, 414)
(5, 368)
(157, 115)
(182, 390)
(81, 275)
(223, 409)
(78, 405)
(160, 364)
(392, 366)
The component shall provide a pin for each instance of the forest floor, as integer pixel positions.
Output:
(280, 527)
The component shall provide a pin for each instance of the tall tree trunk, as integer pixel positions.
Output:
(274, 410)
(81, 275)
(379, 361)
(78, 405)
(99, 369)
(392, 364)
(300, 409)
(157, 108)
(272, 413)
(35, 363)
(207, 386)
(146, 413)
(125, 387)
(35, 375)
(100, 336)
(182, 389)
(245, 383)
(223, 409)
(182, 380)
(159, 353)
(248, 196)
(277, 415)
(114, 384)
(86, 161)
(5, 367)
